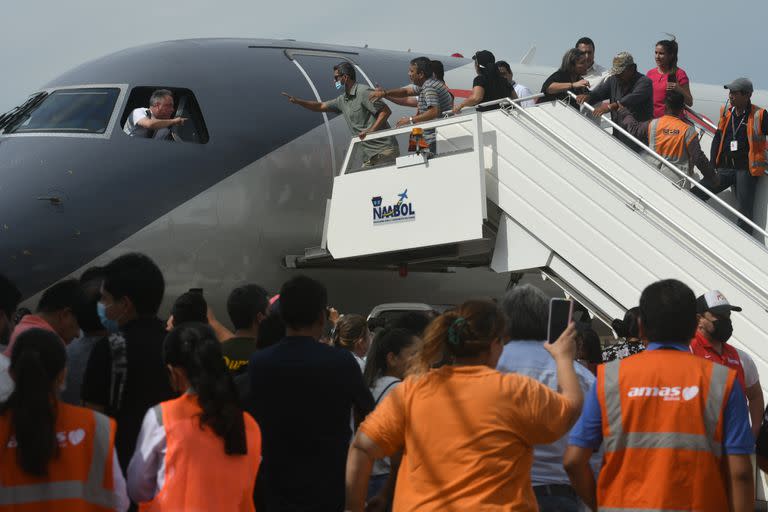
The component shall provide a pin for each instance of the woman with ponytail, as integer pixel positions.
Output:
(628, 331)
(351, 333)
(488, 85)
(390, 353)
(466, 430)
(199, 451)
(49, 449)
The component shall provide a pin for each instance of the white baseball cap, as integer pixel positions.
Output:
(715, 302)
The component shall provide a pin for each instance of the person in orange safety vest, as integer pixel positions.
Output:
(673, 426)
(199, 451)
(672, 137)
(738, 148)
(54, 456)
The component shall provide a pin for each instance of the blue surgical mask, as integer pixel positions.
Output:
(339, 85)
(110, 325)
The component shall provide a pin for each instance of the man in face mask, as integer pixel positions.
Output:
(363, 115)
(714, 330)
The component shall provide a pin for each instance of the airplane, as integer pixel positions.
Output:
(241, 191)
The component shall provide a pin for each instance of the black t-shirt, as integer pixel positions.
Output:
(302, 394)
(495, 89)
(237, 352)
(147, 382)
(561, 77)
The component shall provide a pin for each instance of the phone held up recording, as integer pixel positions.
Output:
(560, 315)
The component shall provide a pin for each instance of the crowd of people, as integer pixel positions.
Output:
(106, 406)
(650, 106)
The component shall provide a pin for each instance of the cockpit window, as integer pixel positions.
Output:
(85, 110)
(184, 105)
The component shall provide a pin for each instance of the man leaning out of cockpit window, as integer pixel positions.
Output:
(154, 122)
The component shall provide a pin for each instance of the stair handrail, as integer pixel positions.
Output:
(675, 169)
(391, 132)
(712, 126)
(762, 294)
(500, 101)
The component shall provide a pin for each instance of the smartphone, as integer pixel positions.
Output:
(672, 78)
(560, 315)
(196, 290)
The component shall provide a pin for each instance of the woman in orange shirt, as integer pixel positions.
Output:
(467, 431)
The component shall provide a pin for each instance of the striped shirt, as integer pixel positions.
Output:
(433, 93)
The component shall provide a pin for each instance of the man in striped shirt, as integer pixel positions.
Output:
(434, 98)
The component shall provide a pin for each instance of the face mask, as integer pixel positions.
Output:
(110, 325)
(339, 85)
(723, 328)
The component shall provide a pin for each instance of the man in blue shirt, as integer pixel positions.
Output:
(302, 393)
(652, 421)
(527, 311)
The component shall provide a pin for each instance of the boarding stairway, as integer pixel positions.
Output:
(545, 189)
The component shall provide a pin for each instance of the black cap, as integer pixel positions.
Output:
(484, 58)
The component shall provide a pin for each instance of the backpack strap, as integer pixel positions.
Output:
(119, 371)
(384, 391)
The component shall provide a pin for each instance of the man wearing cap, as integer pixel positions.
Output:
(488, 85)
(673, 426)
(673, 137)
(738, 149)
(714, 330)
(625, 87)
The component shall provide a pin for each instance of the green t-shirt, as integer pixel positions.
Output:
(237, 352)
(360, 114)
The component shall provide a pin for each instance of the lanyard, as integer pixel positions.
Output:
(736, 129)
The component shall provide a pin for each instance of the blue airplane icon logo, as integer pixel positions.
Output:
(403, 196)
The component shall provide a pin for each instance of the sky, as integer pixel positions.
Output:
(718, 41)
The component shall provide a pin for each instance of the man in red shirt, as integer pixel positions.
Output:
(714, 330)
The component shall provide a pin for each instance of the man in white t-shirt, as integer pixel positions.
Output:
(522, 91)
(154, 122)
(595, 72)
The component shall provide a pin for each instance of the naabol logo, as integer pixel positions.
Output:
(667, 392)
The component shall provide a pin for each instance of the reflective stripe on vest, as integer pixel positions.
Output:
(757, 164)
(91, 491)
(620, 440)
(682, 157)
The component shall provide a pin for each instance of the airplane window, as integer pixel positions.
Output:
(185, 103)
(69, 110)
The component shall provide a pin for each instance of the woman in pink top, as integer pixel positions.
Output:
(666, 76)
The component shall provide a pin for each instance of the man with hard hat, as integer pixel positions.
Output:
(738, 149)
(673, 426)
(714, 330)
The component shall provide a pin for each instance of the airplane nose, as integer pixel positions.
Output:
(42, 221)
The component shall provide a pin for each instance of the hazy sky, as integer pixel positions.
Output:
(41, 39)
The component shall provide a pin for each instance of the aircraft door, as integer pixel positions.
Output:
(317, 69)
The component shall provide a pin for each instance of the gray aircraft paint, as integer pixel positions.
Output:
(213, 215)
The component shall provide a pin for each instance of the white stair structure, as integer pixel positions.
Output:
(546, 189)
